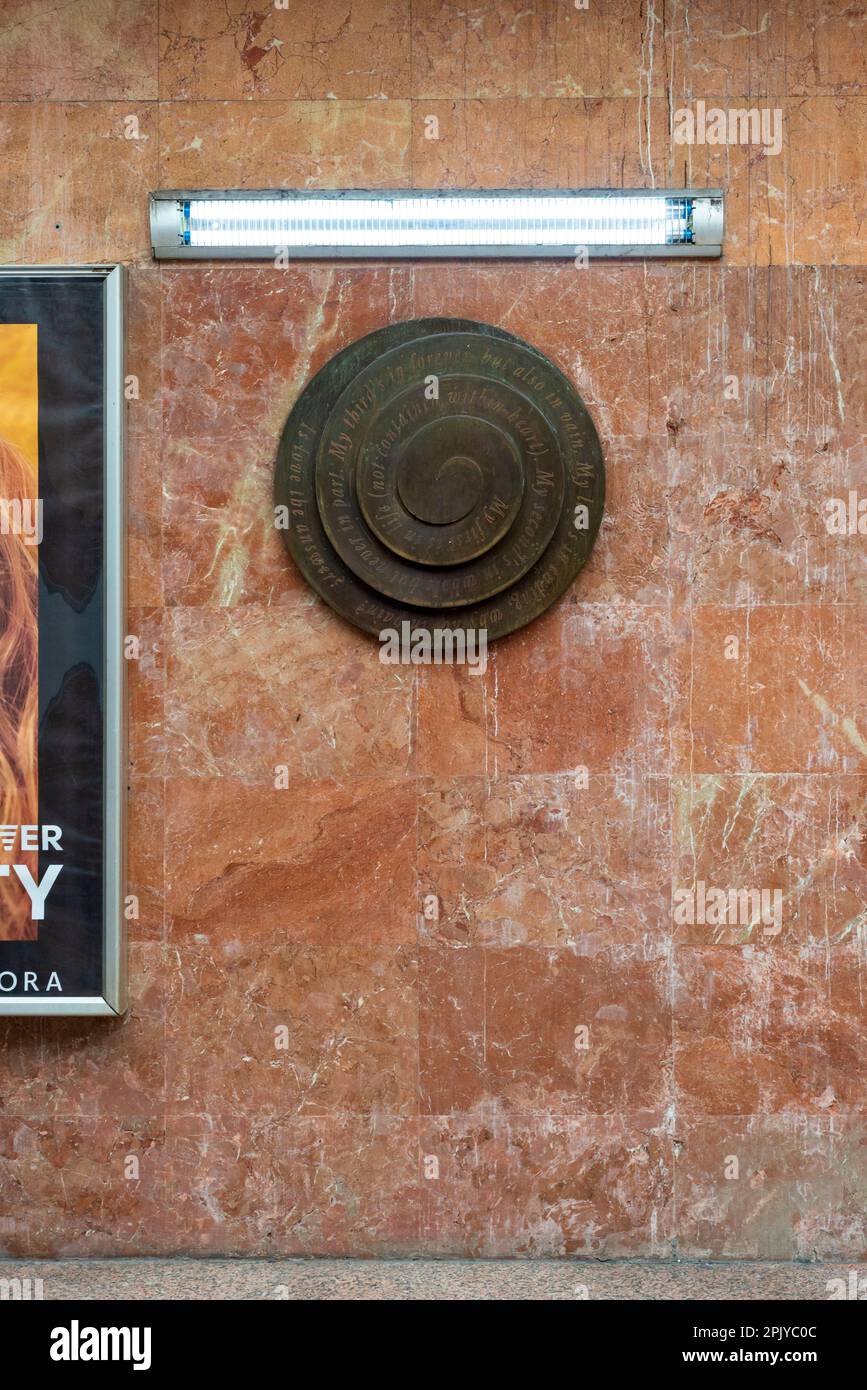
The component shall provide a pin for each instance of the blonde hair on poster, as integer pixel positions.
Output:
(19, 685)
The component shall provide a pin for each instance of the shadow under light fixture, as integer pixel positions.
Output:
(345, 223)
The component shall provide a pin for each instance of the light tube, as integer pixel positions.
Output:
(349, 224)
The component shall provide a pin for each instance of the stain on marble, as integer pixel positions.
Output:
(586, 686)
(749, 526)
(146, 689)
(731, 47)
(322, 860)
(761, 1032)
(545, 861)
(86, 50)
(307, 51)
(76, 187)
(284, 144)
(540, 49)
(450, 723)
(144, 341)
(597, 1186)
(240, 343)
(66, 1185)
(145, 845)
(291, 691)
(769, 689)
(144, 521)
(778, 1187)
(325, 1185)
(220, 544)
(545, 1032)
(114, 1068)
(631, 557)
(269, 1026)
(803, 837)
(537, 142)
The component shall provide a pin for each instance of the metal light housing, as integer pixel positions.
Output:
(397, 224)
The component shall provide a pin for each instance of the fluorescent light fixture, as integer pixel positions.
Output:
(346, 224)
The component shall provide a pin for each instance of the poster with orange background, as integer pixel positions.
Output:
(19, 389)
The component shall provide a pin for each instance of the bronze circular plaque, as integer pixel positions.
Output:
(440, 472)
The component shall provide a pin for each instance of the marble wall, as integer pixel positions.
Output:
(433, 1095)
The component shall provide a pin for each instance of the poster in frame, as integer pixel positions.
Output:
(62, 606)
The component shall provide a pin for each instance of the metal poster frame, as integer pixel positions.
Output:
(112, 1001)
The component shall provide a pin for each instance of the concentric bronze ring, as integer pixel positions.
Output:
(443, 472)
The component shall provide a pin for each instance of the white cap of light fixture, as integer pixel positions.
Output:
(345, 224)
